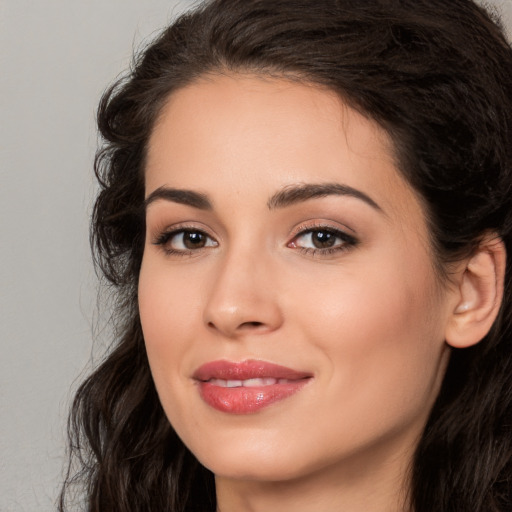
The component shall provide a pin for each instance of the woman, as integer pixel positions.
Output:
(306, 214)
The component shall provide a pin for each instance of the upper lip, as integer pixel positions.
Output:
(245, 370)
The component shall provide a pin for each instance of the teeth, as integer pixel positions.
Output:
(249, 383)
(253, 383)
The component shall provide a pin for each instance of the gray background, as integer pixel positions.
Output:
(56, 57)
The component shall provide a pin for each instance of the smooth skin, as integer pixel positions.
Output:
(341, 285)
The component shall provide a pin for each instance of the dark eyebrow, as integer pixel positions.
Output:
(187, 197)
(297, 193)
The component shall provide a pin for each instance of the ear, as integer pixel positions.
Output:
(479, 294)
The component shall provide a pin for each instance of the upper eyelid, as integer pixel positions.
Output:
(164, 236)
(346, 234)
(183, 226)
(323, 225)
(338, 233)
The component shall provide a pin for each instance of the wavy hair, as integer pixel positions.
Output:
(437, 76)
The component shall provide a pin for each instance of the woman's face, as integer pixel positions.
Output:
(290, 308)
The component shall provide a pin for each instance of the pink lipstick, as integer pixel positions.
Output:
(248, 386)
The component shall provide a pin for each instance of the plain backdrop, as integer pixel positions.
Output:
(56, 58)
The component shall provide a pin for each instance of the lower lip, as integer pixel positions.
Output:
(246, 400)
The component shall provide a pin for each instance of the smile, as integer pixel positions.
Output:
(248, 386)
(249, 383)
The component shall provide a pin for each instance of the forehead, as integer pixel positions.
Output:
(224, 134)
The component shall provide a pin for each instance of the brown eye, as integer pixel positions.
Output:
(184, 240)
(323, 239)
(194, 239)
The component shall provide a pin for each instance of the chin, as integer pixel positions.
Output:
(271, 470)
(250, 459)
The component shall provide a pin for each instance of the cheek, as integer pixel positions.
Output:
(380, 335)
(169, 298)
(168, 308)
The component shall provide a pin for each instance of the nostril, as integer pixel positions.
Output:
(250, 325)
(241, 327)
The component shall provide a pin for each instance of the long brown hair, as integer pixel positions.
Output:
(437, 76)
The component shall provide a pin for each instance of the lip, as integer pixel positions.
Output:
(242, 399)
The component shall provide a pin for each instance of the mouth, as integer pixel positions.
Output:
(248, 386)
(248, 383)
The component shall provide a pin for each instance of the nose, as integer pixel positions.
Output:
(243, 298)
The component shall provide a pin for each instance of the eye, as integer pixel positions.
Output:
(184, 241)
(322, 240)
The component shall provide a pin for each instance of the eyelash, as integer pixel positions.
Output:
(347, 240)
(165, 237)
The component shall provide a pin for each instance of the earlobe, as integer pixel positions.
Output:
(480, 292)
